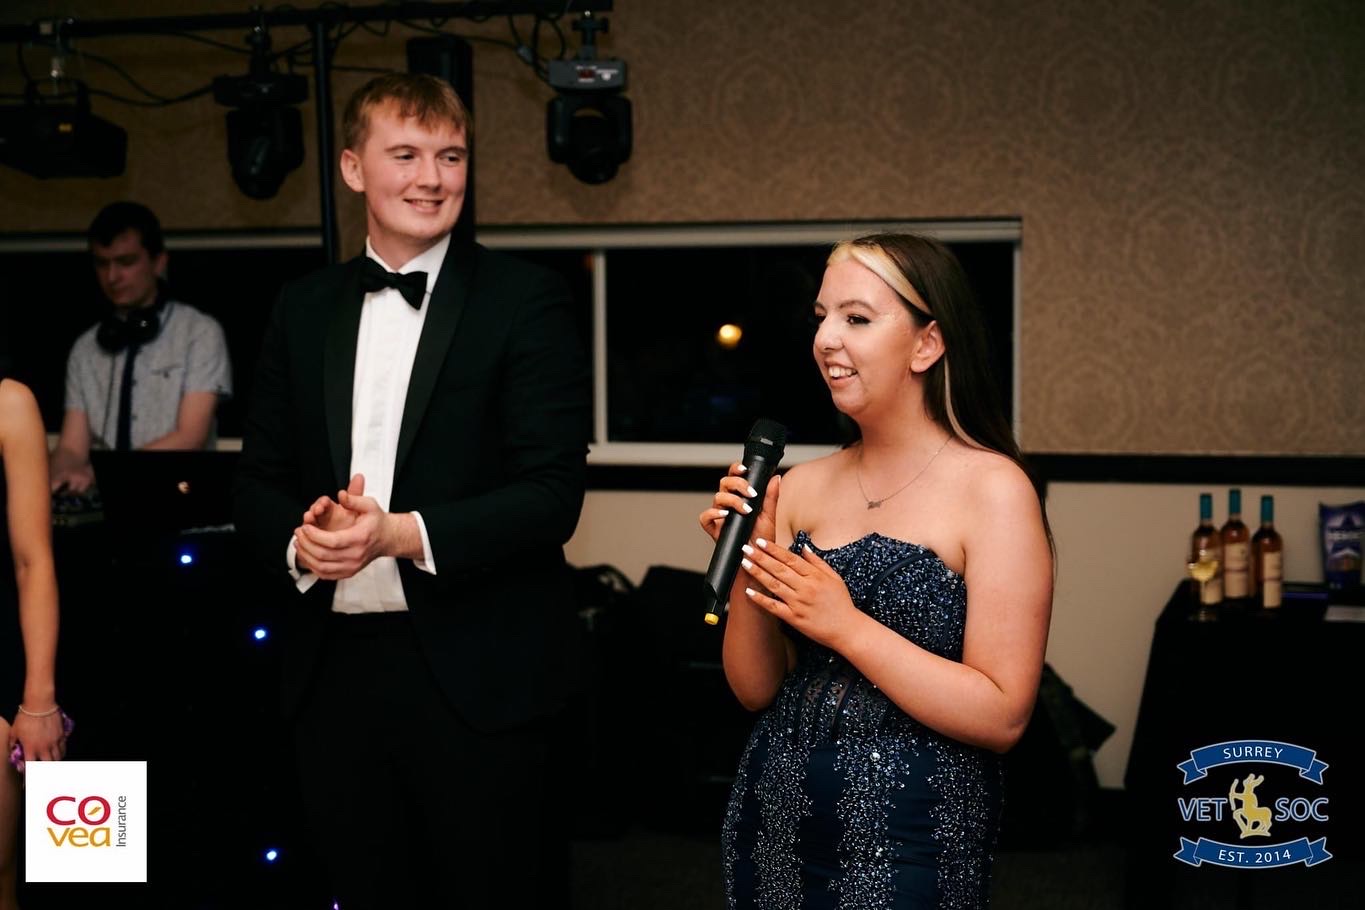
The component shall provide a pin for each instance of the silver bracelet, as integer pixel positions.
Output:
(55, 709)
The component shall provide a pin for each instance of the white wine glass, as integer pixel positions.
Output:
(1202, 569)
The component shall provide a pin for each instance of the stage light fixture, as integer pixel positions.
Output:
(265, 130)
(45, 139)
(588, 124)
(54, 134)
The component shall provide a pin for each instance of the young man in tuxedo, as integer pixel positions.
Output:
(151, 373)
(413, 463)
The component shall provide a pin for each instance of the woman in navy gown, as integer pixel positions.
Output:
(29, 715)
(892, 615)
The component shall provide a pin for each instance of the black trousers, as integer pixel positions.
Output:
(405, 800)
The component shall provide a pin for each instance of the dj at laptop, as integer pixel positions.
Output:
(151, 373)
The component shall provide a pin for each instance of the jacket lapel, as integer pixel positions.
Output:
(338, 371)
(448, 299)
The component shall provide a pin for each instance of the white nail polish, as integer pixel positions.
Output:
(762, 544)
(746, 507)
(747, 549)
(746, 564)
(750, 591)
(743, 468)
(753, 492)
(724, 512)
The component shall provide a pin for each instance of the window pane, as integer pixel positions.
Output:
(669, 378)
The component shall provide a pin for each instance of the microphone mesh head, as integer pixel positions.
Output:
(768, 439)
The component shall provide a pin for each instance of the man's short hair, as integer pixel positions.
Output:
(430, 99)
(117, 217)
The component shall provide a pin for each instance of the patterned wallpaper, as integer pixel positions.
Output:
(1190, 176)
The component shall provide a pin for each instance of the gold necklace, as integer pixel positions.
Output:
(877, 503)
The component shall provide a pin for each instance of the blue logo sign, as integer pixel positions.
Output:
(1253, 813)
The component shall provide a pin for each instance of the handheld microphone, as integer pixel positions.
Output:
(762, 452)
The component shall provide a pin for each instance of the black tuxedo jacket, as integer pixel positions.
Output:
(491, 452)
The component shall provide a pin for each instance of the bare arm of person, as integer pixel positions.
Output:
(755, 653)
(70, 469)
(23, 445)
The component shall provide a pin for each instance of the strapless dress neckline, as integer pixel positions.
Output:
(803, 537)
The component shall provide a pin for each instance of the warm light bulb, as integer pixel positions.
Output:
(728, 335)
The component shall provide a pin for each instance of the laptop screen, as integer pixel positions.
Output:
(165, 492)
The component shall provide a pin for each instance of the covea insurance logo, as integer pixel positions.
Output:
(85, 821)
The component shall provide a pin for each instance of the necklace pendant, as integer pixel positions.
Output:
(875, 503)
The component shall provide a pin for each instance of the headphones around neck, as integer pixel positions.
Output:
(141, 326)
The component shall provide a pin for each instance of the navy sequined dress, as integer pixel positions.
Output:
(842, 800)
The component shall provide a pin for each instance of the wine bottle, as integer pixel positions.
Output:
(1236, 550)
(1207, 547)
(1267, 558)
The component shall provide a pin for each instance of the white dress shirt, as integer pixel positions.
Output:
(386, 346)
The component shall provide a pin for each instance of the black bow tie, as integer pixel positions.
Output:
(413, 285)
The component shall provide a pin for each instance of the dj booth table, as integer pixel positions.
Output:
(165, 655)
(1249, 692)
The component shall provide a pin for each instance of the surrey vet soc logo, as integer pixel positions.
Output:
(1254, 808)
(85, 821)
